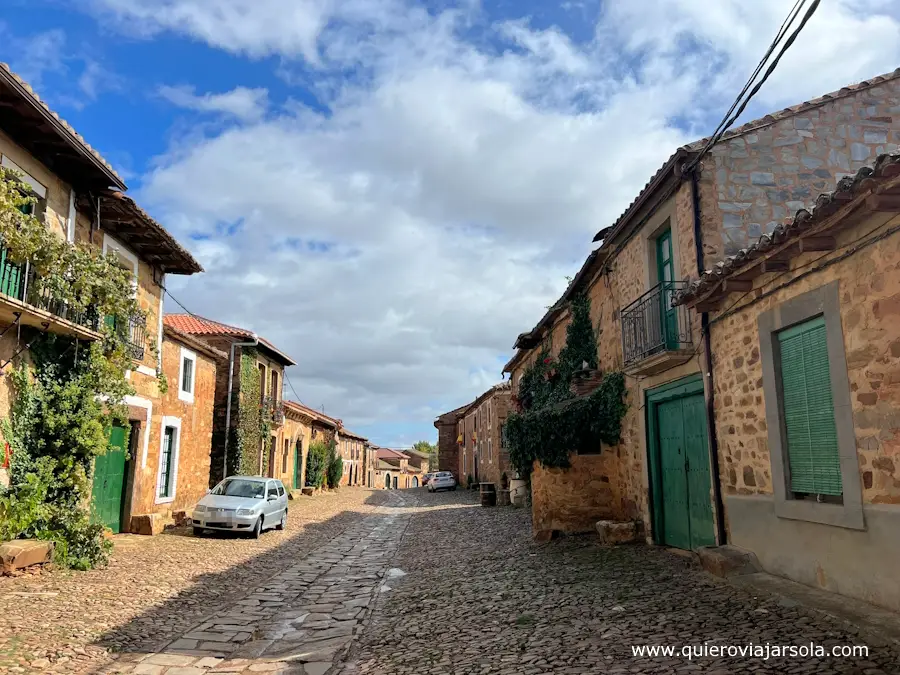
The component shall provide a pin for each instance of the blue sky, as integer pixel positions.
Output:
(392, 190)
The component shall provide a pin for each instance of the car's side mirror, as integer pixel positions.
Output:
(272, 498)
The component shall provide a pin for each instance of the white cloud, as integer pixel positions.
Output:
(242, 103)
(37, 55)
(396, 244)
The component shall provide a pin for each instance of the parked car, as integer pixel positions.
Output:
(242, 504)
(426, 478)
(442, 480)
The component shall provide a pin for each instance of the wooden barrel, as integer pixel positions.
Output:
(488, 494)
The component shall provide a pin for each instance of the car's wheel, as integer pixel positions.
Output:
(258, 528)
(283, 523)
(198, 531)
(453, 488)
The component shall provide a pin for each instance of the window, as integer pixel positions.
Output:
(490, 451)
(274, 391)
(812, 442)
(284, 457)
(280, 487)
(186, 375)
(808, 410)
(502, 435)
(167, 476)
(272, 489)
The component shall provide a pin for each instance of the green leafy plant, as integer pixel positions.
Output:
(65, 400)
(335, 468)
(316, 464)
(550, 422)
(249, 426)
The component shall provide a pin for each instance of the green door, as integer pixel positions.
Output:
(665, 270)
(11, 276)
(683, 515)
(109, 481)
(298, 456)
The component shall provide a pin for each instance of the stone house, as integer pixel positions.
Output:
(80, 197)
(297, 435)
(393, 471)
(484, 443)
(174, 474)
(351, 448)
(449, 442)
(267, 363)
(805, 329)
(699, 207)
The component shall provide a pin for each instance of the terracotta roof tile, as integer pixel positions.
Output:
(198, 325)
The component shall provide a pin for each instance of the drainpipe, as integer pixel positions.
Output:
(252, 343)
(707, 347)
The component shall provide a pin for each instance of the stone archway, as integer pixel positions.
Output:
(415, 481)
(387, 481)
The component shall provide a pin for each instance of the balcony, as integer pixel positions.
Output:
(655, 335)
(273, 409)
(23, 301)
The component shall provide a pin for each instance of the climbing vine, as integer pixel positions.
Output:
(550, 422)
(69, 393)
(249, 425)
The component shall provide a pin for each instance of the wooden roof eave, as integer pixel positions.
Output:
(848, 211)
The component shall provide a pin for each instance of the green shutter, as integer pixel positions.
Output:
(809, 410)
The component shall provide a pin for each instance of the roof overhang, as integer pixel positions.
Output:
(31, 124)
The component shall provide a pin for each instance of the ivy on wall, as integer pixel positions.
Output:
(550, 422)
(71, 392)
(250, 416)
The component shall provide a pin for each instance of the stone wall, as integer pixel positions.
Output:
(870, 317)
(757, 180)
(487, 418)
(572, 500)
(194, 440)
(448, 448)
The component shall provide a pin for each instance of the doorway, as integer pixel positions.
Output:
(108, 489)
(680, 482)
(298, 467)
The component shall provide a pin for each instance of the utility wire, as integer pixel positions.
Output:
(739, 106)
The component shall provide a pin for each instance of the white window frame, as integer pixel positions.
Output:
(39, 188)
(111, 244)
(175, 423)
(187, 396)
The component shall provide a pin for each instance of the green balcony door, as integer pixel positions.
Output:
(107, 492)
(665, 270)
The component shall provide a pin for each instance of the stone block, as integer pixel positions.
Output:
(728, 561)
(180, 518)
(21, 553)
(859, 152)
(308, 491)
(148, 524)
(763, 178)
(614, 532)
(544, 536)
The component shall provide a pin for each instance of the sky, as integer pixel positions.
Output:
(392, 190)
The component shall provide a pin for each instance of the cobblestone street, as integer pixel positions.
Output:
(409, 582)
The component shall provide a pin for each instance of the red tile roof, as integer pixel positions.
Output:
(386, 453)
(301, 409)
(198, 325)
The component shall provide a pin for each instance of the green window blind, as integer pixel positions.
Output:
(809, 410)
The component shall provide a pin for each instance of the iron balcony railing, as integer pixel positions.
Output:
(19, 281)
(274, 410)
(136, 338)
(651, 325)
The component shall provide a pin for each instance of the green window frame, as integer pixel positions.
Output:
(807, 405)
(166, 461)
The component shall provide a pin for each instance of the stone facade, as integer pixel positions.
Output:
(816, 552)
(194, 437)
(757, 179)
(750, 182)
(351, 447)
(448, 445)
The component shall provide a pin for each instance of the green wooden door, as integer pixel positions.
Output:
(12, 276)
(684, 516)
(675, 497)
(298, 456)
(109, 481)
(665, 270)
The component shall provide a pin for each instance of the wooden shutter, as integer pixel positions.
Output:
(808, 410)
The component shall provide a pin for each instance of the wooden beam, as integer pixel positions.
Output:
(708, 304)
(817, 244)
(774, 266)
(731, 285)
(890, 171)
(888, 203)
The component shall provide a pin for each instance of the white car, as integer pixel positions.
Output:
(442, 480)
(242, 504)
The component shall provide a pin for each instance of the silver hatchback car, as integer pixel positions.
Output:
(242, 504)
(442, 480)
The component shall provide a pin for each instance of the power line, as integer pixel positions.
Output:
(727, 121)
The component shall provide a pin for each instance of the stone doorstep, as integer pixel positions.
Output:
(22, 553)
(613, 532)
(728, 561)
(877, 625)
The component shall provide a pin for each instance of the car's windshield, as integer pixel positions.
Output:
(238, 487)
